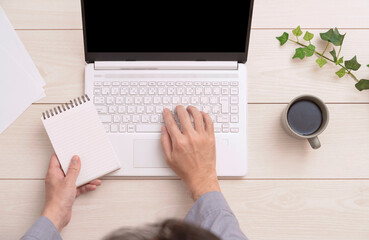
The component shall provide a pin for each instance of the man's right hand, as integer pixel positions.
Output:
(191, 152)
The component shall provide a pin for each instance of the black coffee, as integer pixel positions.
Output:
(305, 117)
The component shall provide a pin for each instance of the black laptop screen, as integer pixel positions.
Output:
(165, 27)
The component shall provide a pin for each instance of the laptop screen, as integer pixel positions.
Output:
(165, 27)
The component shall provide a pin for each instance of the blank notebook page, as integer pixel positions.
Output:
(78, 131)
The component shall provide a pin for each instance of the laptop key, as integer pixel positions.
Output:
(234, 118)
(122, 128)
(234, 100)
(224, 101)
(234, 130)
(105, 118)
(114, 128)
(99, 100)
(107, 127)
(234, 108)
(223, 118)
(105, 90)
(234, 90)
(101, 109)
(150, 128)
(130, 128)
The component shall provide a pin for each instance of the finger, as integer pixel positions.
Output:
(90, 187)
(166, 143)
(80, 190)
(54, 162)
(73, 170)
(171, 124)
(184, 119)
(85, 188)
(209, 125)
(96, 182)
(54, 167)
(197, 118)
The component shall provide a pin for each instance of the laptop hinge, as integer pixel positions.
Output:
(166, 65)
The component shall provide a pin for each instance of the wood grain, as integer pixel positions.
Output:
(266, 209)
(43, 14)
(311, 14)
(273, 76)
(272, 153)
(66, 14)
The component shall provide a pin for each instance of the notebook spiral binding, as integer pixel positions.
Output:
(65, 107)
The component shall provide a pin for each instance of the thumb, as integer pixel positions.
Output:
(73, 170)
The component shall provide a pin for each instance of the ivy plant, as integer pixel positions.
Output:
(332, 37)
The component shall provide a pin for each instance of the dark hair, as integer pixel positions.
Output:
(170, 229)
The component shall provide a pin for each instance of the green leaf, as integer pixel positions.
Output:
(333, 36)
(308, 36)
(362, 84)
(283, 39)
(309, 50)
(334, 55)
(297, 31)
(352, 64)
(367, 65)
(340, 60)
(321, 62)
(300, 53)
(340, 73)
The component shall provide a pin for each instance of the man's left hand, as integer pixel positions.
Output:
(61, 191)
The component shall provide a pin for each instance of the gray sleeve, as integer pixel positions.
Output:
(211, 211)
(42, 229)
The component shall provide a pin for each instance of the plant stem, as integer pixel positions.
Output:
(339, 51)
(321, 55)
(325, 48)
(353, 76)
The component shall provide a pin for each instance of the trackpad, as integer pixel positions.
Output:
(147, 153)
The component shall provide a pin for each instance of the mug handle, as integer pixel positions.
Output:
(314, 142)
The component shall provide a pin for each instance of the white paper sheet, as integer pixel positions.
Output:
(13, 46)
(16, 93)
(20, 81)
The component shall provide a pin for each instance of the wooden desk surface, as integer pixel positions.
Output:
(290, 192)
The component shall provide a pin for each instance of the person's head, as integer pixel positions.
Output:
(168, 230)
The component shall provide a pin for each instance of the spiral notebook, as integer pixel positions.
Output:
(74, 128)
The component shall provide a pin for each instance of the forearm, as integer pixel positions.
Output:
(42, 229)
(212, 212)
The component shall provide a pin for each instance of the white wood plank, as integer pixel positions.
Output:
(43, 14)
(66, 14)
(311, 14)
(25, 148)
(272, 209)
(274, 77)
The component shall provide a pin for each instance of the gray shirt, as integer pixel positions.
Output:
(210, 211)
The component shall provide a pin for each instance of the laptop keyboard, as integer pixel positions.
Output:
(137, 106)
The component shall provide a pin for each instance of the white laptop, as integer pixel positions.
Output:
(144, 57)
